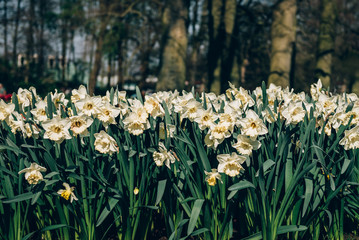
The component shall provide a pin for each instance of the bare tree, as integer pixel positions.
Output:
(283, 34)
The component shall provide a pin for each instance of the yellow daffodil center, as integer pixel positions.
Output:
(88, 106)
(66, 194)
(212, 181)
(56, 129)
(253, 125)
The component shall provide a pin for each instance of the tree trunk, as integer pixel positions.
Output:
(14, 48)
(326, 42)
(30, 40)
(5, 30)
(283, 34)
(173, 70)
(99, 47)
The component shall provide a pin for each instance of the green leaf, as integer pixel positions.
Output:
(199, 231)
(139, 95)
(308, 194)
(160, 190)
(241, 185)
(256, 236)
(202, 153)
(291, 228)
(194, 215)
(108, 208)
(345, 165)
(19, 198)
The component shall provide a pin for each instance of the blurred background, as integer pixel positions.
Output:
(178, 44)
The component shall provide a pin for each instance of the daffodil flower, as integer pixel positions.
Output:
(68, 192)
(33, 173)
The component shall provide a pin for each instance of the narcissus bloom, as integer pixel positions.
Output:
(6, 109)
(68, 192)
(104, 143)
(33, 173)
(80, 124)
(212, 177)
(245, 145)
(294, 113)
(351, 138)
(252, 125)
(163, 156)
(57, 129)
(230, 164)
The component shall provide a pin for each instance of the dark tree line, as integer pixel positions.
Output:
(184, 43)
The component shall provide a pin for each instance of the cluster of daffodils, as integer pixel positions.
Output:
(239, 116)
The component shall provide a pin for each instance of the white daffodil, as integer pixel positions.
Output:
(58, 98)
(245, 145)
(5, 109)
(16, 122)
(78, 94)
(252, 125)
(39, 112)
(315, 89)
(57, 129)
(80, 124)
(89, 105)
(68, 192)
(108, 113)
(206, 118)
(190, 110)
(153, 107)
(33, 173)
(351, 138)
(216, 135)
(230, 164)
(211, 177)
(135, 122)
(294, 113)
(163, 156)
(104, 143)
(30, 130)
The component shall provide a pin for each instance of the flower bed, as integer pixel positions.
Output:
(258, 165)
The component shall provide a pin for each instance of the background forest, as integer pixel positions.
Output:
(167, 45)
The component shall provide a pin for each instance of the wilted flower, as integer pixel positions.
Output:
(212, 177)
(104, 143)
(230, 164)
(163, 156)
(68, 192)
(245, 145)
(57, 129)
(33, 173)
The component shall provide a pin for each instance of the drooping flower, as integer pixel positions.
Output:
(163, 156)
(57, 129)
(68, 192)
(104, 143)
(245, 145)
(211, 177)
(230, 164)
(33, 173)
